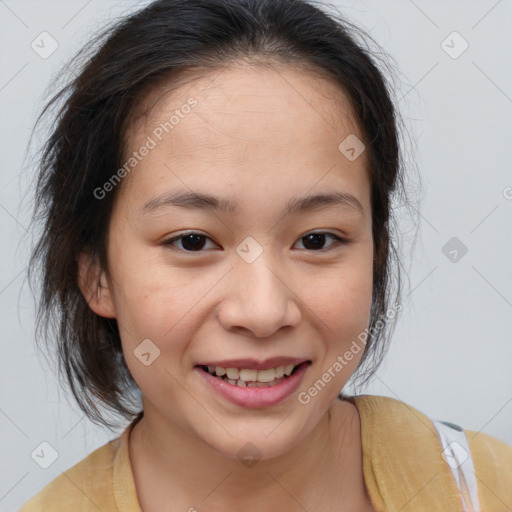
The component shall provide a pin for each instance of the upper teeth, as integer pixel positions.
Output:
(250, 375)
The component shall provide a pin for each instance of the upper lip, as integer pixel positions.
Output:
(254, 364)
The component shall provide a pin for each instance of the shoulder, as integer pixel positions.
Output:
(492, 459)
(483, 445)
(85, 486)
(393, 419)
(393, 430)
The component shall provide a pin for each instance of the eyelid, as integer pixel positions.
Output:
(340, 241)
(168, 242)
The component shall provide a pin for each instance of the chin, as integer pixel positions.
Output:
(259, 440)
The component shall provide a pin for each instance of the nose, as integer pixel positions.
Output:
(259, 299)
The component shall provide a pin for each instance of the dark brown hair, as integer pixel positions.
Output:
(91, 114)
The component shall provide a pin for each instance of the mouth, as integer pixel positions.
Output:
(252, 377)
(260, 387)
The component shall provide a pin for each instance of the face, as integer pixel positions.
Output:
(266, 274)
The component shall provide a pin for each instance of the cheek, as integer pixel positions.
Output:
(152, 310)
(152, 319)
(144, 294)
(343, 305)
(346, 313)
(342, 299)
(342, 309)
(156, 301)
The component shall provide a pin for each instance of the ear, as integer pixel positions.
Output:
(94, 286)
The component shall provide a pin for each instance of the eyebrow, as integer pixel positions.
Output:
(199, 201)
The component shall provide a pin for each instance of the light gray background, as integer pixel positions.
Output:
(452, 350)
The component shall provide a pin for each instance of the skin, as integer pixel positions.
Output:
(258, 136)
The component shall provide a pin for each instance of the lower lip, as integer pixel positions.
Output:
(256, 397)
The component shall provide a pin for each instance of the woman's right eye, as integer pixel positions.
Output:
(191, 242)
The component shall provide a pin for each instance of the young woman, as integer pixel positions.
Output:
(216, 197)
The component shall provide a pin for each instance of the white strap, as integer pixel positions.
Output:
(458, 456)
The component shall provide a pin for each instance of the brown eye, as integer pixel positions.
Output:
(191, 242)
(316, 241)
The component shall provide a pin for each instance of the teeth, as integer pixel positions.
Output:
(232, 373)
(248, 375)
(266, 375)
(288, 369)
(251, 377)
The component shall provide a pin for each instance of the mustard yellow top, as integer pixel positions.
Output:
(402, 465)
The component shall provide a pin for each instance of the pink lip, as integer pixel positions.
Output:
(254, 364)
(255, 397)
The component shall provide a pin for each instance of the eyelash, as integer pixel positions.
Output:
(339, 241)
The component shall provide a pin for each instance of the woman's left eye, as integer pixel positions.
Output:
(195, 242)
(315, 239)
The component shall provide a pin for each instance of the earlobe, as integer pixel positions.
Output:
(94, 286)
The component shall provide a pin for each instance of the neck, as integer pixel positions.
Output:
(171, 465)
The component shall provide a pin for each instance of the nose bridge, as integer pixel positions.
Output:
(259, 300)
(257, 270)
(260, 280)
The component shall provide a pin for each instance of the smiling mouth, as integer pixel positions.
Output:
(252, 378)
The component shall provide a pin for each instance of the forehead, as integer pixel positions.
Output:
(249, 90)
(275, 123)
